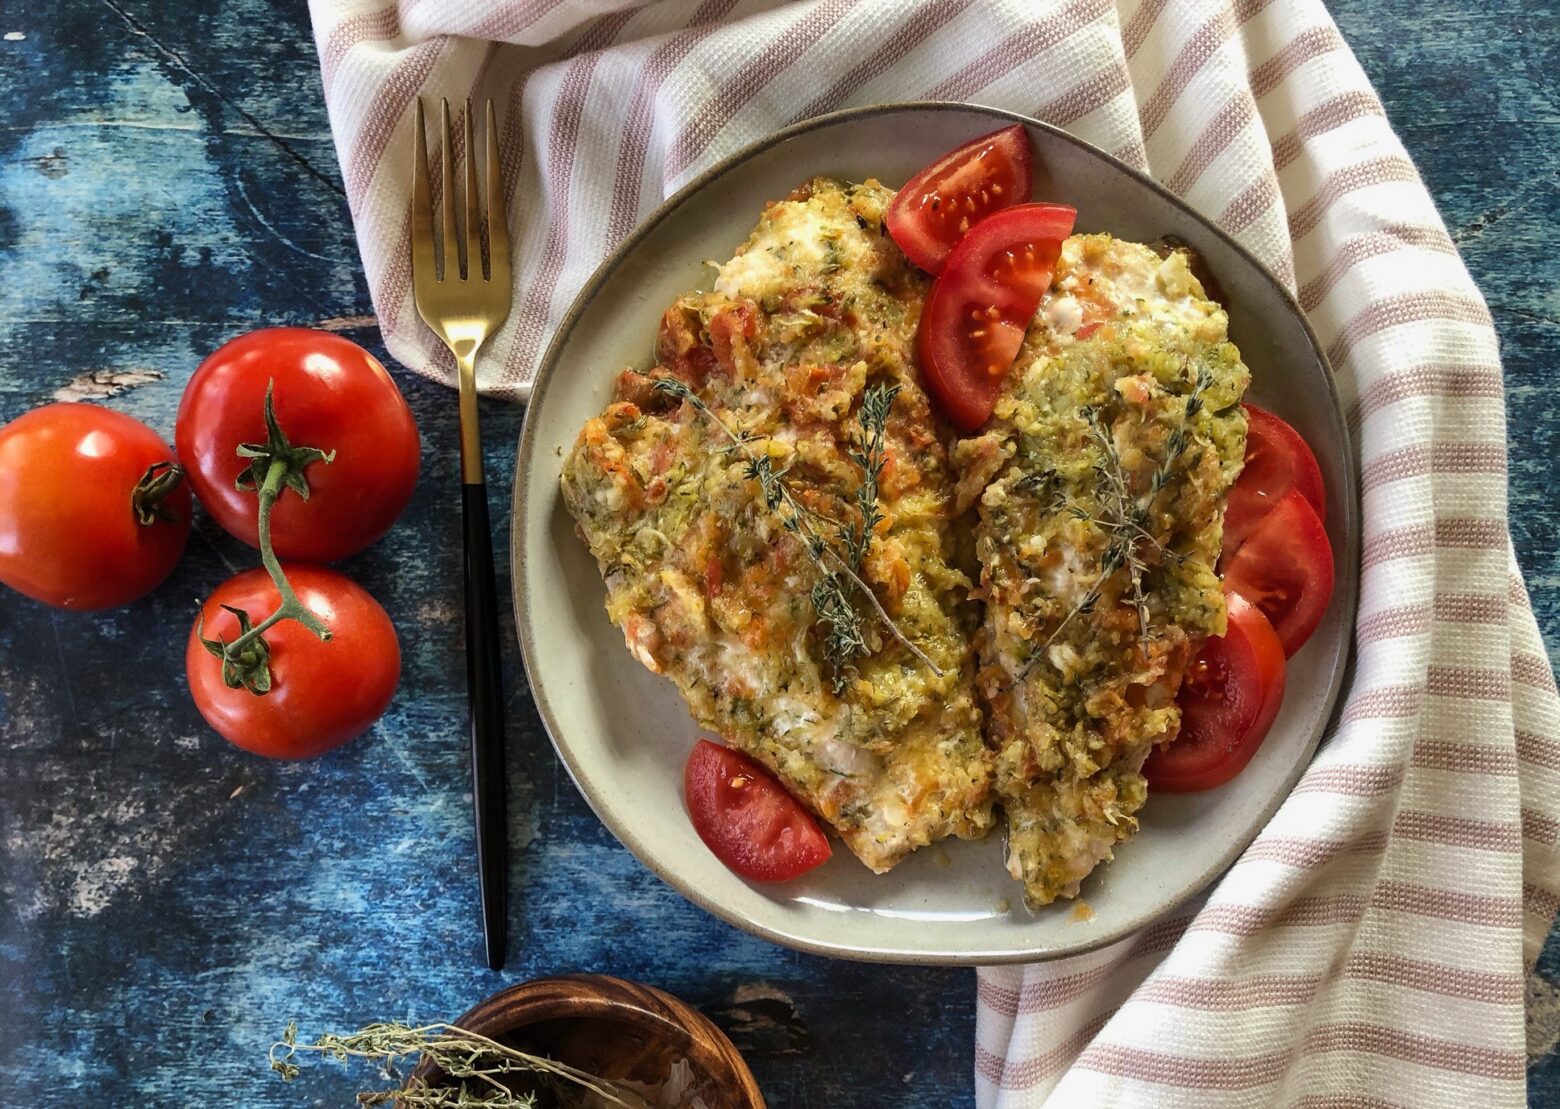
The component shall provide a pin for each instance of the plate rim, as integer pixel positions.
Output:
(1346, 580)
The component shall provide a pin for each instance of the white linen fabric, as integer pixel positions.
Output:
(1368, 949)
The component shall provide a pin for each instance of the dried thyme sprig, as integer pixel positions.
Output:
(1124, 520)
(843, 640)
(844, 637)
(1131, 519)
(1181, 437)
(467, 1057)
(421, 1096)
(867, 453)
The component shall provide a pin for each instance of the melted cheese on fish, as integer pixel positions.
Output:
(1120, 432)
(798, 240)
(1083, 642)
(708, 587)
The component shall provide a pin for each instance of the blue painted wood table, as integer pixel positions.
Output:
(167, 902)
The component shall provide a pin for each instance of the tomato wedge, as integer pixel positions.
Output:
(1277, 460)
(950, 196)
(982, 303)
(1230, 697)
(745, 816)
(1285, 568)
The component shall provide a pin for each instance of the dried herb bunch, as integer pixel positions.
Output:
(837, 549)
(479, 1065)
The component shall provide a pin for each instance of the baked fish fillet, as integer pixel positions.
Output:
(814, 315)
(1101, 485)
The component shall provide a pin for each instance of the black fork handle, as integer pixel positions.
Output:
(485, 689)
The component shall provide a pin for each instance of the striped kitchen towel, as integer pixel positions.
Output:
(1369, 948)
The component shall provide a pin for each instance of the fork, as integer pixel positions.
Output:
(463, 307)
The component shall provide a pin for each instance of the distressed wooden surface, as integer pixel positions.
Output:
(167, 180)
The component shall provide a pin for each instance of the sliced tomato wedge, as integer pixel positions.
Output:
(1285, 568)
(1277, 460)
(950, 196)
(982, 303)
(1229, 699)
(745, 816)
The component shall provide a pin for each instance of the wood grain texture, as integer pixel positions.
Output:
(167, 180)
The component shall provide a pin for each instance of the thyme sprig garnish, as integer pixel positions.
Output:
(845, 638)
(1123, 517)
(469, 1058)
(1181, 437)
(867, 453)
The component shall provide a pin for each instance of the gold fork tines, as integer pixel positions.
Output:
(463, 304)
(460, 300)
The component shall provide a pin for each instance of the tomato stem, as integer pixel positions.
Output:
(277, 465)
(146, 498)
(291, 607)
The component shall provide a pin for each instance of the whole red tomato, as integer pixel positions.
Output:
(329, 393)
(71, 534)
(322, 693)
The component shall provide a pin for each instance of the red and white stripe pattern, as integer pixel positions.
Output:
(1368, 950)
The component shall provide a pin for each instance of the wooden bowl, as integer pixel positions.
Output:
(613, 1029)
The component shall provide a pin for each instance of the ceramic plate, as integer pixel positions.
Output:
(624, 733)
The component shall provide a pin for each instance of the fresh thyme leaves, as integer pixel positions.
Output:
(844, 638)
(478, 1064)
